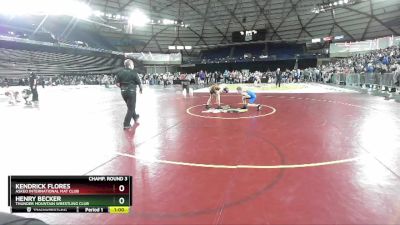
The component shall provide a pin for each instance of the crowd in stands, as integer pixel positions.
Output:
(253, 52)
(82, 80)
(378, 61)
(250, 58)
(101, 79)
(375, 62)
(159, 78)
(234, 76)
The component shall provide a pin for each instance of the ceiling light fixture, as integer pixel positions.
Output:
(138, 18)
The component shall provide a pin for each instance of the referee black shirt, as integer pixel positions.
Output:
(128, 79)
(32, 81)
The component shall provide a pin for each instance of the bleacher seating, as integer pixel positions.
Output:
(54, 31)
(285, 50)
(255, 50)
(217, 53)
(15, 62)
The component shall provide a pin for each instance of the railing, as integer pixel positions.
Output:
(372, 80)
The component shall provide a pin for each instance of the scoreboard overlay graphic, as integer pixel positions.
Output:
(70, 194)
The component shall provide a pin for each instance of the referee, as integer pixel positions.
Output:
(33, 82)
(127, 80)
(278, 77)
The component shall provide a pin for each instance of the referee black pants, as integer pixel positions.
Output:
(186, 87)
(278, 82)
(129, 97)
(35, 94)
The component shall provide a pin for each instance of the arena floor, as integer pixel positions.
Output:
(307, 158)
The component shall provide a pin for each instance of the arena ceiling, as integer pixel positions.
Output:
(211, 22)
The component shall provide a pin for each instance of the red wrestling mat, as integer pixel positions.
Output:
(314, 159)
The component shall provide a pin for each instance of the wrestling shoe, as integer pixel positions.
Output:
(244, 107)
(208, 107)
(259, 107)
(219, 107)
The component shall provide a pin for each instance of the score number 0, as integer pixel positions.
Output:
(121, 200)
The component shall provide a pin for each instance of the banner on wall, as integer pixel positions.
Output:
(156, 58)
